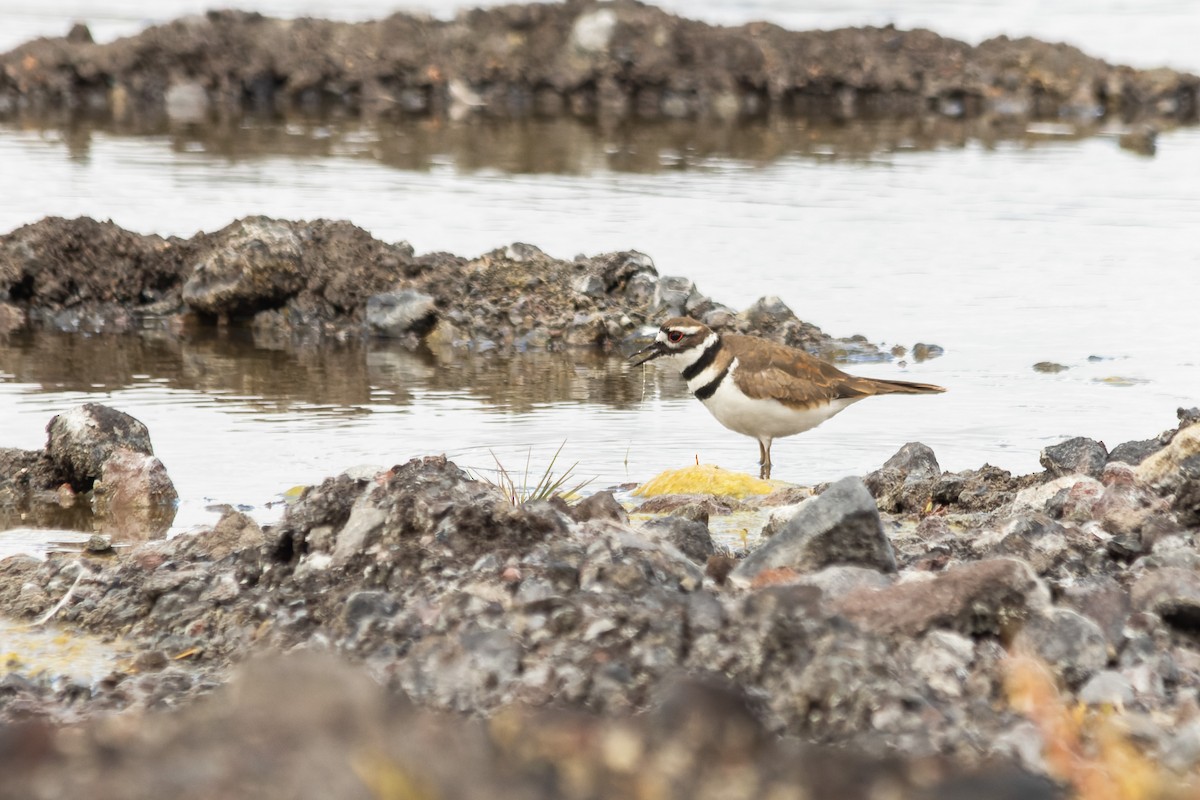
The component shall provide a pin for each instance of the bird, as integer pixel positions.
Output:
(760, 388)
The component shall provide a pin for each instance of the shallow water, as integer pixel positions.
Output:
(1006, 249)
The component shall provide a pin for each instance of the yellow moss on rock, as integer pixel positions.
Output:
(705, 479)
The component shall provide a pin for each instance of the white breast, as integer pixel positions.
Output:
(761, 418)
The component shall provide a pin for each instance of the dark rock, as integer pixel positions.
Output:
(1073, 645)
(402, 313)
(1187, 502)
(841, 526)
(84, 438)
(1135, 452)
(692, 538)
(984, 489)
(984, 597)
(26, 472)
(601, 505)
(905, 481)
(1172, 593)
(1079, 455)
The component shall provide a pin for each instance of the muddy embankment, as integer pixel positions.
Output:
(619, 60)
(951, 634)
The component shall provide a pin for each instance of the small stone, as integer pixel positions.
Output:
(924, 352)
(601, 505)
(841, 526)
(98, 544)
(1079, 455)
(1049, 367)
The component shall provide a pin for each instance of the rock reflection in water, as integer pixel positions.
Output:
(561, 146)
(235, 367)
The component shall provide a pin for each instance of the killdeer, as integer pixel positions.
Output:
(759, 388)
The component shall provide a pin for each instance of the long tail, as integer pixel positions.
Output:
(908, 387)
(869, 386)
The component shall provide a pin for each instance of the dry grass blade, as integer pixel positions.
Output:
(549, 484)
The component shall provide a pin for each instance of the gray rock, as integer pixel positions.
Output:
(1107, 687)
(768, 313)
(905, 481)
(692, 538)
(256, 265)
(1068, 641)
(398, 314)
(841, 526)
(1079, 455)
(85, 437)
(982, 597)
(676, 296)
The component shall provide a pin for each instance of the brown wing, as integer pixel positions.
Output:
(794, 377)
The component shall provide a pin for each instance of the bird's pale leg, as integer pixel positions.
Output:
(764, 460)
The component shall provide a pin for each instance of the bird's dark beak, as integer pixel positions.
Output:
(648, 353)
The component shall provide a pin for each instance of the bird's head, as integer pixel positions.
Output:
(677, 337)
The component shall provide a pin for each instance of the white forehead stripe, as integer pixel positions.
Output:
(688, 331)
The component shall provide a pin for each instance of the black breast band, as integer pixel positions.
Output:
(702, 363)
(706, 391)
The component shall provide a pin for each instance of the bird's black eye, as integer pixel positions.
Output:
(675, 336)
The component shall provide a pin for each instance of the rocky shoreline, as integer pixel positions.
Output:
(594, 60)
(893, 616)
(294, 280)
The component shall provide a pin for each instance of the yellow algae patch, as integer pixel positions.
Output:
(706, 479)
(31, 650)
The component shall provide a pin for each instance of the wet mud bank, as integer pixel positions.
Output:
(911, 616)
(586, 59)
(290, 280)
